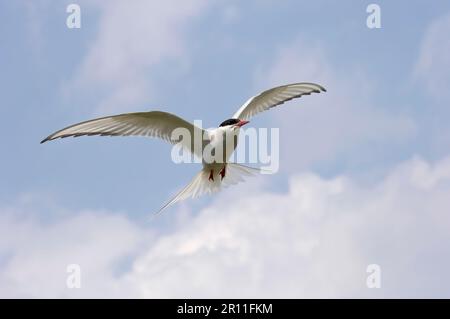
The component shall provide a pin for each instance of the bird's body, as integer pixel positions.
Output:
(222, 143)
(216, 146)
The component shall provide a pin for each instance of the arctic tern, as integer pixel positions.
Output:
(215, 173)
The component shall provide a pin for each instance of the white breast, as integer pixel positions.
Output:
(225, 140)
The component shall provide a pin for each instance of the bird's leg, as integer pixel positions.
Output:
(211, 176)
(222, 172)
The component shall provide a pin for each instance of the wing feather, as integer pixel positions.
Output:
(274, 97)
(150, 124)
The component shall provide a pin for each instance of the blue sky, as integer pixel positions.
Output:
(383, 122)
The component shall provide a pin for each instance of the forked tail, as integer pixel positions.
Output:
(202, 184)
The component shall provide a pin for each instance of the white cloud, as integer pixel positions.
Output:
(431, 70)
(341, 121)
(315, 240)
(34, 255)
(131, 39)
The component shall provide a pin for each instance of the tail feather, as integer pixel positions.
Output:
(236, 173)
(201, 184)
(194, 189)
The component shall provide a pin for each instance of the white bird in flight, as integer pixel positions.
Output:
(214, 174)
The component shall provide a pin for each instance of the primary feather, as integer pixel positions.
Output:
(151, 124)
(275, 96)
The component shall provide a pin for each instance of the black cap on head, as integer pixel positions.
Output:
(229, 122)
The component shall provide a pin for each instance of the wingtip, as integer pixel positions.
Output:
(45, 140)
(321, 88)
(318, 87)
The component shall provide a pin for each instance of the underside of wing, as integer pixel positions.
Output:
(275, 96)
(151, 124)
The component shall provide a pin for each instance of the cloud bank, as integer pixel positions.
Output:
(315, 240)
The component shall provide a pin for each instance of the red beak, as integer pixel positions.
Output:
(242, 123)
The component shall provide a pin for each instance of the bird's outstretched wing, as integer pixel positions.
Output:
(274, 97)
(152, 124)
